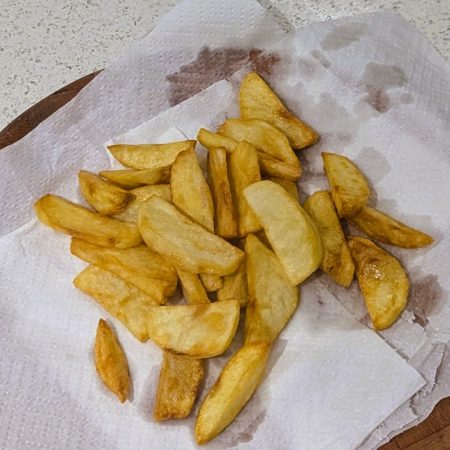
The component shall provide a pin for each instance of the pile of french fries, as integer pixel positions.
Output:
(236, 240)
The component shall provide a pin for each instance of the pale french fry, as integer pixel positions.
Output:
(383, 228)
(111, 362)
(121, 299)
(235, 287)
(382, 280)
(211, 283)
(129, 179)
(198, 331)
(149, 156)
(75, 220)
(244, 170)
(144, 268)
(193, 289)
(349, 188)
(183, 242)
(235, 386)
(190, 191)
(212, 140)
(258, 101)
(288, 186)
(336, 262)
(225, 214)
(289, 229)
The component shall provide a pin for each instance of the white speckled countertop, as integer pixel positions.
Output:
(45, 44)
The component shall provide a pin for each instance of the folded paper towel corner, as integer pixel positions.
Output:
(378, 93)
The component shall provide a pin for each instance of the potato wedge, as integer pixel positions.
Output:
(258, 101)
(289, 229)
(111, 362)
(288, 186)
(272, 298)
(129, 179)
(235, 386)
(212, 140)
(211, 283)
(244, 170)
(75, 220)
(149, 156)
(272, 167)
(121, 299)
(190, 191)
(179, 382)
(184, 243)
(193, 289)
(235, 287)
(383, 228)
(225, 215)
(198, 331)
(349, 188)
(382, 280)
(143, 267)
(336, 262)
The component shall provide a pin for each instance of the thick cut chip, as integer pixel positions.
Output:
(198, 331)
(212, 283)
(129, 179)
(235, 386)
(272, 298)
(144, 268)
(289, 229)
(193, 289)
(288, 186)
(382, 280)
(183, 242)
(111, 362)
(149, 156)
(121, 299)
(273, 167)
(212, 140)
(258, 101)
(244, 170)
(235, 287)
(224, 212)
(103, 196)
(337, 261)
(349, 188)
(383, 228)
(75, 220)
(179, 382)
(190, 191)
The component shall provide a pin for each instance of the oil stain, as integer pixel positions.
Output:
(373, 162)
(344, 35)
(321, 58)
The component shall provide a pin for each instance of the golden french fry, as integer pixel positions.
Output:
(193, 289)
(111, 362)
(211, 283)
(75, 220)
(289, 229)
(129, 179)
(244, 170)
(349, 188)
(235, 287)
(225, 214)
(383, 228)
(258, 101)
(273, 167)
(336, 262)
(235, 386)
(121, 299)
(198, 331)
(288, 186)
(183, 242)
(212, 140)
(272, 298)
(149, 156)
(144, 268)
(190, 191)
(261, 235)
(382, 280)
(179, 381)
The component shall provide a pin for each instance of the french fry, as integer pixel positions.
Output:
(225, 214)
(77, 221)
(273, 167)
(258, 101)
(383, 228)
(211, 283)
(193, 289)
(289, 229)
(190, 191)
(288, 186)
(184, 243)
(111, 362)
(129, 179)
(235, 386)
(235, 287)
(382, 280)
(336, 262)
(244, 170)
(212, 140)
(349, 188)
(197, 331)
(149, 156)
(144, 268)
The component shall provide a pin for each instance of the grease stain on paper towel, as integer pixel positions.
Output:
(343, 36)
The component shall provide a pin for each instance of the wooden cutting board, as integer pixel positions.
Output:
(431, 434)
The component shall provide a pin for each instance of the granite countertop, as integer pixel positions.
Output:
(46, 44)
